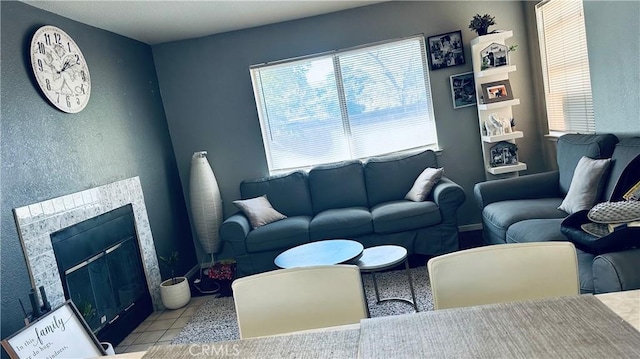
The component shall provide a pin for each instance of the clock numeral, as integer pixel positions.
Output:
(47, 39)
(68, 101)
(84, 77)
(82, 89)
(69, 46)
(77, 59)
(57, 37)
(40, 65)
(58, 98)
(48, 84)
(77, 100)
(41, 48)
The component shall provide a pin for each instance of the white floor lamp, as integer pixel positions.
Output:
(206, 205)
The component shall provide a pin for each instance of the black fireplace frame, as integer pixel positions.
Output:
(80, 244)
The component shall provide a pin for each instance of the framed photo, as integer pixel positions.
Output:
(445, 50)
(463, 90)
(503, 154)
(497, 91)
(494, 55)
(60, 333)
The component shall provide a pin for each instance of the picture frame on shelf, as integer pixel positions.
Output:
(445, 50)
(463, 90)
(62, 332)
(494, 55)
(503, 154)
(497, 91)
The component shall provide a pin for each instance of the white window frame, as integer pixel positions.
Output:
(565, 67)
(264, 124)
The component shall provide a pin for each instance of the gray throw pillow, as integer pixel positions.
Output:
(585, 185)
(259, 211)
(424, 183)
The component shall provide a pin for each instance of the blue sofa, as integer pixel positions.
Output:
(357, 200)
(524, 209)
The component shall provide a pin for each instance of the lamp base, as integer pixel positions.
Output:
(206, 287)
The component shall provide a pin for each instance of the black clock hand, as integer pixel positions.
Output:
(64, 67)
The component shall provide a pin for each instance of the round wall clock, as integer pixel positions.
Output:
(60, 69)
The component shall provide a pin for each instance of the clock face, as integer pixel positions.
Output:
(60, 69)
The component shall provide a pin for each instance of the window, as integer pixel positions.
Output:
(350, 104)
(565, 66)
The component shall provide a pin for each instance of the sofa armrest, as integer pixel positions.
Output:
(234, 232)
(616, 271)
(539, 185)
(448, 195)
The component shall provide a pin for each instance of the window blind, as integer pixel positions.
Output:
(565, 66)
(349, 104)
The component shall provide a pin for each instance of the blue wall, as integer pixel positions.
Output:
(613, 41)
(209, 101)
(46, 153)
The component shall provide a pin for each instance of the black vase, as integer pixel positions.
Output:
(482, 31)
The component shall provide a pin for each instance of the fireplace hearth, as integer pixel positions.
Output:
(38, 222)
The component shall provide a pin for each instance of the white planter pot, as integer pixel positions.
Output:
(177, 295)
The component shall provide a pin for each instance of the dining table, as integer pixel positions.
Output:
(583, 326)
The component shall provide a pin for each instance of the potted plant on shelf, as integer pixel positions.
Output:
(174, 292)
(480, 23)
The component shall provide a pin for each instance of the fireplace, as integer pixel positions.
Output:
(45, 227)
(101, 270)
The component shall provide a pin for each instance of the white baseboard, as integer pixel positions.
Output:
(470, 227)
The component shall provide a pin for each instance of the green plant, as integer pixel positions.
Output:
(85, 308)
(480, 24)
(513, 48)
(171, 261)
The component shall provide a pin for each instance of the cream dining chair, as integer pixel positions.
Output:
(288, 300)
(504, 273)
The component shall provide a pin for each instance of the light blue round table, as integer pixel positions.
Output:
(325, 252)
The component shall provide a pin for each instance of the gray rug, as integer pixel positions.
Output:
(215, 320)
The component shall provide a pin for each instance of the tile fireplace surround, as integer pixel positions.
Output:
(37, 221)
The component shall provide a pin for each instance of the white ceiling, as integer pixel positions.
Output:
(154, 22)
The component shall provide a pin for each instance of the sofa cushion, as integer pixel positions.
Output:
(586, 185)
(259, 211)
(341, 223)
(498, 216)
(338, 185)
(535, 230)
(283, 234)
(398, 216)
(424, 183)
(626, 151)
(585, 271)
(572, 147)
(288, 194)
(389, 178)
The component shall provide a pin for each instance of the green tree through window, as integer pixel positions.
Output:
(350, 104)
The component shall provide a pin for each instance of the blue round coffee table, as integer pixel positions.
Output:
(326, 252)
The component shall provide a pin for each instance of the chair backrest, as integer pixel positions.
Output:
(289, 300)
(504, 273)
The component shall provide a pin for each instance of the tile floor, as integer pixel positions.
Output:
(160, 327)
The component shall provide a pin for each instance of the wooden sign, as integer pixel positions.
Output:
(60, 333)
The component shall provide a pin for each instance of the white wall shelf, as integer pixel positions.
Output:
(485, 45)
(507, 169)
(495, 71)
(495, 37)
(494, 105)
(507, 136)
